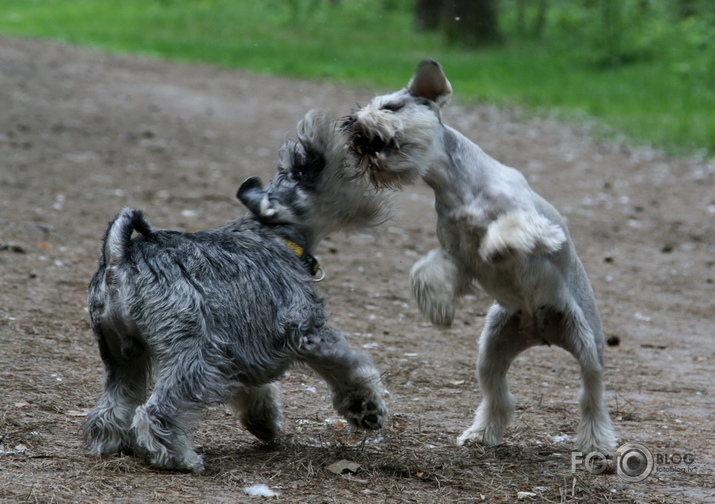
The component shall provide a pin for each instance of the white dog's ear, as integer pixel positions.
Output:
(430, 82)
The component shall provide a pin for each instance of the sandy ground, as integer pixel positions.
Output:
(84, 134)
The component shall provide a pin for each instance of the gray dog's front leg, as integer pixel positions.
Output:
(353, 378)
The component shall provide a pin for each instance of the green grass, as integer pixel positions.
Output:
(659, 98)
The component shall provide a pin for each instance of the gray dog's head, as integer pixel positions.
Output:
(316, 189)
(393, 134)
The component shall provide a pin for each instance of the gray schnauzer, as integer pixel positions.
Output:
(219, 315)
(492, 228)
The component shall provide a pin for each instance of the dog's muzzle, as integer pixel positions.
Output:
(371, 148)
(363, 141)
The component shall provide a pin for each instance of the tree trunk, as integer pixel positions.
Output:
(687, 8)
(540, 20)
(471, 22)
(525, 25)
(428, 14)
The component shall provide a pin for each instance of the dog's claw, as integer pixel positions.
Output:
(367, 414)
(371, 421)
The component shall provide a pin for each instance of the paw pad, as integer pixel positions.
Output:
(366, 414)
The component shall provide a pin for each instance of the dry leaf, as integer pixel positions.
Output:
(343, 466)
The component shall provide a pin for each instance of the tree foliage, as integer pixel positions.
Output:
(611, 32)
(462, 22)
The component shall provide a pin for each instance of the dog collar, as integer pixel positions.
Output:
(310, 262)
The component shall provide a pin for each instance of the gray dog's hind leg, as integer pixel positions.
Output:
(259, 409)
(163, 426)
(353, 378)
(106, 429)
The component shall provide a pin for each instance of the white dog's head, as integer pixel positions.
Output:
(394, 133)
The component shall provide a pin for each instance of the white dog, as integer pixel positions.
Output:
(493, 229)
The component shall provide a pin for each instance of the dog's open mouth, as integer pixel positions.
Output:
(371, 148)
(371, 145)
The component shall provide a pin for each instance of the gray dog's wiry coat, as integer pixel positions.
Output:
(219, 315)
(495, 230)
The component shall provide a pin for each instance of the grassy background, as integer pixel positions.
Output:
(656, 86)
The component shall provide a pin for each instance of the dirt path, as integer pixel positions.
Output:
(83, 134)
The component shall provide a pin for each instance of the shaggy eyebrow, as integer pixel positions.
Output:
(394, 107)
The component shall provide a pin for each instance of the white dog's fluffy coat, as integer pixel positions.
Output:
(493, 229)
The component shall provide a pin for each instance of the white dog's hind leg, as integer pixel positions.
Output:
(595, 430)
(435, 282)
(519, 233)
(500, 342)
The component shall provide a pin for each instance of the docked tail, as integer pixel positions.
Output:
(116, 241)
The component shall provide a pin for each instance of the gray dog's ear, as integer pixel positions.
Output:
(430, 82)
(251, 194)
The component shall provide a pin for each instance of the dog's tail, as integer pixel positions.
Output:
(119, 233)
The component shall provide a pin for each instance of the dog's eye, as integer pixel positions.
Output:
(393, 107)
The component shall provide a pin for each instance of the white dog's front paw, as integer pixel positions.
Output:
(434, 280)
(437, 309)
(519, 233)
(441, 315)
